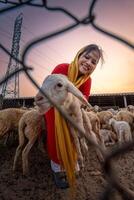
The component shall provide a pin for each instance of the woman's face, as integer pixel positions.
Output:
(87, 62)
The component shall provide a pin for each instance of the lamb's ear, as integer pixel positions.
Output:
(76, 92)
(47, 77)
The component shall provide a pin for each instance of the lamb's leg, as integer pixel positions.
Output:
(18, 152)
(99, 154)
(17, 155)
(128, 136)
(42, 141)
(103, 141)
(77, 145)
(84, 145)
(82, 139)
(6, 139)
(10, 138)
(4, 131)
(25, 155)
(120, 137)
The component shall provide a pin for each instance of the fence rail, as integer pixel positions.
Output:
(104, 101)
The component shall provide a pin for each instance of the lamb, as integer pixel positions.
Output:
(72, 106)
(130, 108)
(30, 126)
(105, 137)
(96, 109)
(122, 129)
(57, 88)
(95, 122)
(108, 137)
(125, 116)
(114, 112)
(104, 117)
(64, 93)
(9, 120)
(92, 127)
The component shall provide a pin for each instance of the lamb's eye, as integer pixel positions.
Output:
(59, 85)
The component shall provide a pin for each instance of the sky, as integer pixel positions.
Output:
(116, 75)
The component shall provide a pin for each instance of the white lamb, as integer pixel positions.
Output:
(64, 93)
(131, 108)
(122, 129)
(31, 125)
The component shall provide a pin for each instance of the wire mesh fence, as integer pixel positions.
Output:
(90, 19)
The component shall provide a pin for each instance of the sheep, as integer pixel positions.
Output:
(104, 117)
(108, 137)
(114, 112)
(65, 94)
(125, 116)
(9, 120)
(31, 125)
(130, 108)
(95, 122)
(92, 127)
(90, 123)
(96, 109)
(104, 137)
(58, 88)
(122, 129)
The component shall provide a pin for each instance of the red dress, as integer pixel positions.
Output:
(49, 116)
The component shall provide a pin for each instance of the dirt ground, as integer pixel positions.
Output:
(39, 184)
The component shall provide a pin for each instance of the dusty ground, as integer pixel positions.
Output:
(39, 184)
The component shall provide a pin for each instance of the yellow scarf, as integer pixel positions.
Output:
(66, 150)
(73, 72)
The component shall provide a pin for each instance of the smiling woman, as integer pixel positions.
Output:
(89, 59)
(87, 62)
(78, 72)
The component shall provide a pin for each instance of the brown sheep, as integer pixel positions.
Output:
(9, 120)
(30, 126)
(104, 117)
(125, 116)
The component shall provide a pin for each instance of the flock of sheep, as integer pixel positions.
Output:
(103, 127)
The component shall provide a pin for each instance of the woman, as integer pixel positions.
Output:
(78, 72)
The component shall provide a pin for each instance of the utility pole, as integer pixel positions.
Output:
(10, 88)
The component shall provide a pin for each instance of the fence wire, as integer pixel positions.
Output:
(110, 172)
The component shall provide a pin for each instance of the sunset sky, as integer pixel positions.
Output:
(117, 73)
